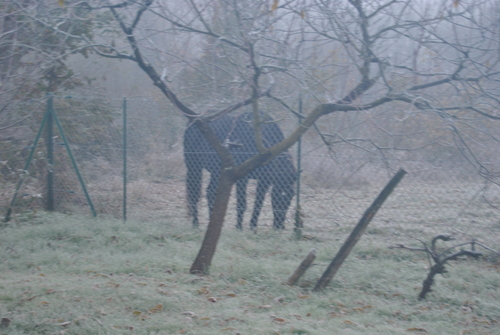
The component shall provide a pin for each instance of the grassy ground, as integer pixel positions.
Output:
(64, 274)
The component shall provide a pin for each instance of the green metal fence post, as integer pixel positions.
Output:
(73, 162)
(124, 159)
(49, 199)
(27, 165)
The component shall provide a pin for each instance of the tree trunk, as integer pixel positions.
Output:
(202, 262)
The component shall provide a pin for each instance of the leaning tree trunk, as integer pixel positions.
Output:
(202, 262)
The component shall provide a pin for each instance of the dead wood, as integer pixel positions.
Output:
(358, 231)
(439, 259)
(439, 268)
(306, 263)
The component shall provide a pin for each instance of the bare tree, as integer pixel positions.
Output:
(348, 55)
(36, 37)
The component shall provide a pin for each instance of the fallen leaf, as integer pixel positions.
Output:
(100, 275)
(114, 285)
(212, 299)
(156, 309)
(349, 322)
(203, 291)
(277, 319)
(362, 309)
(302, 296)
(415, 329)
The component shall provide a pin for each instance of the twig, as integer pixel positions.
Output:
(487, 248)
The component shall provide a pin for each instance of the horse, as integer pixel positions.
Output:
(236, 133)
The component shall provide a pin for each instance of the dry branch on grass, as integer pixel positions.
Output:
(439, 259)
(306, 263)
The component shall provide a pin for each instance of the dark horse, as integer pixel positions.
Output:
(237, 134)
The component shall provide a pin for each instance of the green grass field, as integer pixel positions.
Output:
(62, 274)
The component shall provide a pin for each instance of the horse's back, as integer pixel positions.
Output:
(238, 133)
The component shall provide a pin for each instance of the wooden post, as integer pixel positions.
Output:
(358, 232)
(306, 263)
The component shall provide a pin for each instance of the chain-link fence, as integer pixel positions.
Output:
(342, 169)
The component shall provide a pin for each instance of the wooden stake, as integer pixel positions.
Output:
(358, 232)
(306, 263)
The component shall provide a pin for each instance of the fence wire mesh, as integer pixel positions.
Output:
(339, 177)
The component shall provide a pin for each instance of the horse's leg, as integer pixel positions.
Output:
(241, 205)
(281, 199)
(262, 187)
(193, 185)
(211, 190)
